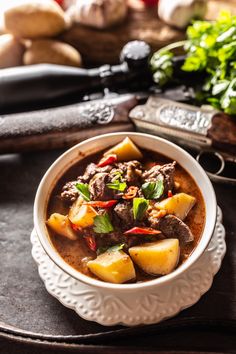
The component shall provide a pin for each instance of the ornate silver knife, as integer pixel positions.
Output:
(186, 124)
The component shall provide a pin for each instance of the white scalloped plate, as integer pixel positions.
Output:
(133, 308)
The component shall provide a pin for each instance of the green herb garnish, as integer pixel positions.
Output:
(117, 174)
(162, 66)
(153, 190)
(102, 224)
(117, 185)
(140, 206)
(211, 50)
(83, 191)
(211, 47)
(114, 248)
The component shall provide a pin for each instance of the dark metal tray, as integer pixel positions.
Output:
(29, 314)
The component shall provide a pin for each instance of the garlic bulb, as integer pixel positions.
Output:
(179, 13)
(100, 13)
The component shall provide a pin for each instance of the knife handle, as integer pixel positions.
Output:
(223, 132)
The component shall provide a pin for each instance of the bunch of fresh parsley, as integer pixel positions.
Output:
(210, 48)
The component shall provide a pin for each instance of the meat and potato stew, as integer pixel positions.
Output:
(125, 215)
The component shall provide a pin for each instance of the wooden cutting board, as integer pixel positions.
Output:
(99, 47)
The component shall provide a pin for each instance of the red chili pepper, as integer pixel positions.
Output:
(170, 194)
(75, 227)
(107, 160)
(131, 193)
(91, 243)
(142, 231)
(100, 204)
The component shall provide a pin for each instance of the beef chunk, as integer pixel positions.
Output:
(91, 171)
(111, 239)
(69, 192)
(125, 214)
(167, 171)
(171, 226)
(131, 171)
(114, 238)
(98, 188)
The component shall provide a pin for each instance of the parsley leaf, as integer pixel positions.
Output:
(117, 175)
(162, 66)
(140, 206)
(117, 185)
(210, 51)
(153, 190)
(102, 224)
(116, 182)
(114, 248)
(83, 190)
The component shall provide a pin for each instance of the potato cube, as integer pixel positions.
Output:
(179, 204)
(113, 266)
(125, 151)
(61, 225)
(82, 215)
(157, 258)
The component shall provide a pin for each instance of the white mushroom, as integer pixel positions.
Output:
(179, 13)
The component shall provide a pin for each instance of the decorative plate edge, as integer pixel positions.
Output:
(215, 251)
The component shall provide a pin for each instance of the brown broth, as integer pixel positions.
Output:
(75, 253)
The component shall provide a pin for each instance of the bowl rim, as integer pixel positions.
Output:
(59, 261)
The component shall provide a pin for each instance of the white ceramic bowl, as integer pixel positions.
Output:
(101, 142)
